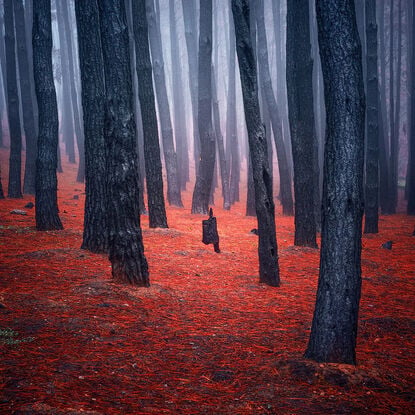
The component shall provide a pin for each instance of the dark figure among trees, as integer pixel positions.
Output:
(264, 203)
(47, 216)
(126, 250)
(334, 327)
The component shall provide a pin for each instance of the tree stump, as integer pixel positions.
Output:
(210, 232)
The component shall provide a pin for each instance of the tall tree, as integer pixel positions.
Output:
(372, 121)
(204, 177)
(190, 31)
(170, 157)
(95, 235)
(178, 101)
(126, 250)
(26, 98)
(411, 174)
(267, 90)
(301, 119)
(47, 216)
(15, 159)
(334, 327)
(154, 178)
(264, 203)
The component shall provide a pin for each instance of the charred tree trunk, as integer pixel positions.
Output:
(224, 172)
(154, 178)
(267, 90)
(334, 327)
(26, 99)
(15, 159)
(204, 177)
(411, 174)
(47, 217)
(264, 204)
(170, 157)
(126, 250)
(95, 235)
(372, 118)
(191, 35)
(301, 119)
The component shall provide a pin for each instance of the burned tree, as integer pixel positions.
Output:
(265, 210)
(334, 327)
(126, 250)
(47, 216)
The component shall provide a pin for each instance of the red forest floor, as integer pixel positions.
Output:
(206, 337)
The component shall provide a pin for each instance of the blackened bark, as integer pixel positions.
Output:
(411, 156)
(224, 171)
(372, 121)
(334, 327)
(95, 235)
(15, 160)
(301, 119)
(170, 157)
(126, 250)
(204, 177)
(190, 31)
(267, 90)
(26, 99)
(250, 192)
(63, 5)
(47, 217)
(267, 244)
(178, 101)
(154, 178)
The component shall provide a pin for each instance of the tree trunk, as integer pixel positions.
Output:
(154, 178)
(301, 119)
(191, 35)
(267, 90)
(126, 250)
(334, 327)
(95, 235)
(224, 172)
(170, 158)
(26, 99)
(15, 159)
(264, 204)
(411, 174)
(63, 5)
(204, 177)
(178, 102)
(47, 216)
(372, 117)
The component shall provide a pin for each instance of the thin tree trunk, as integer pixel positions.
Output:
(47, 216)
(170, 157)
(154, 178)
(264, 203)
(372, 118)
(15, 159)
(26, 99)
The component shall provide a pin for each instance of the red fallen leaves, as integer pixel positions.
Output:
(206, 337)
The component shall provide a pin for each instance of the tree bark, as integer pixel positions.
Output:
(26, 99)
(301, 119)
(267, 90)
(15, 159)
(264, 204)
(372, 118)
(95, 235)
(126, 250)
(334, 327)
(47, 216)
(410, 209)
(170, 157)
(204, 177)
(154, 178)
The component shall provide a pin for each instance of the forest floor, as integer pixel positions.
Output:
(206, 337)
